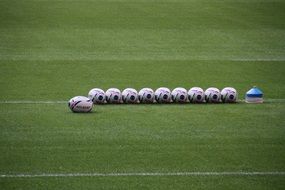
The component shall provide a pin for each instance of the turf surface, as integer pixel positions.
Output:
(54, 50)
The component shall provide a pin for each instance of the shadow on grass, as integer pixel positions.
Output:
(168, 104)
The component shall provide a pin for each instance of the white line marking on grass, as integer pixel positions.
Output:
(33, 102)
(268, 101)
(255, 60)
(276, 173)
(90, 57)
(274, 100)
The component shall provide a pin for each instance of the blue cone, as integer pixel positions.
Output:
(254, 95)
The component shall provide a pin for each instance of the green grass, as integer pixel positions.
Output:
(54, 50)
(172, 138)
(150, 183)
(61, 80)
(142, 30)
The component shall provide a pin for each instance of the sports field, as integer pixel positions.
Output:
(52, 50)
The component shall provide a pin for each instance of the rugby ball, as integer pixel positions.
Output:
(162, 95)
(130, 95)
(179, 95)
(229, 95)
(196, 95)
(212, 95)
(97, 96)
(80, 104)
(113, 96)
(146, 95)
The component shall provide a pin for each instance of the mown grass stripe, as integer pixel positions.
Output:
(241, 173)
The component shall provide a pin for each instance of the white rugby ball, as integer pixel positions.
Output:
(162, 95)
(196, 95)
(113, 96)
(130, 95)
(229, 95)
(97, 95)
(179, 95)
(146, 95)
(212, 95)
(80, 104)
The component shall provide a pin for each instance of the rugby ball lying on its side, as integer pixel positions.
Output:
(80, 104)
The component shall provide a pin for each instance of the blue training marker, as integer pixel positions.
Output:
(254, 95)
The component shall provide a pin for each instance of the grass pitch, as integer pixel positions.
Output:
(54, 50)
